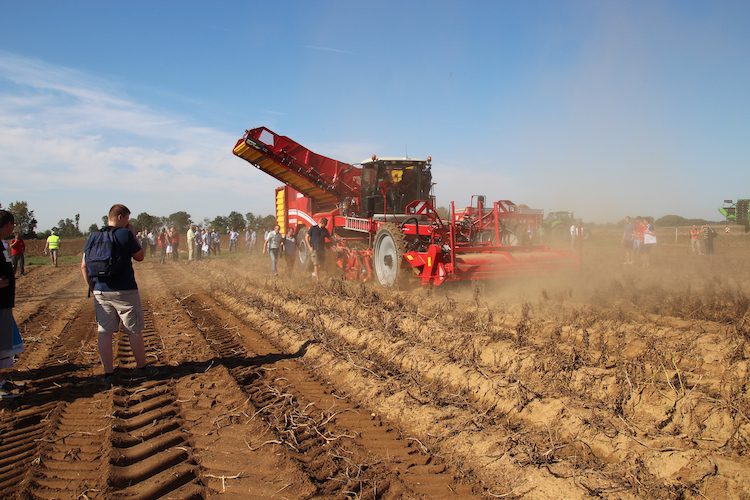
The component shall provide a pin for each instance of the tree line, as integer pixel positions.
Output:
(70, 227)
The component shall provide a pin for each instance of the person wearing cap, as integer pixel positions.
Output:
(316, 242)
(53, 245)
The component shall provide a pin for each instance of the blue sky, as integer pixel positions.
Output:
(605, 108)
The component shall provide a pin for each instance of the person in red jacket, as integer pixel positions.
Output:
(17, 249)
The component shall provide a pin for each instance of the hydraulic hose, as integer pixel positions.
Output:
(416, 222)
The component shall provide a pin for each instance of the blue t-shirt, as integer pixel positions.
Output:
(318, 237)
(290, 246)
(125, 246)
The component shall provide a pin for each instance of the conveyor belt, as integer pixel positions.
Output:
(325, 180)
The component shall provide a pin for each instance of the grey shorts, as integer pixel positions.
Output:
(113, 307)
(318, 257)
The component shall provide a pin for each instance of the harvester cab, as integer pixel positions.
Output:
(389, 185)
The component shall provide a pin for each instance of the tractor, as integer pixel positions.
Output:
(737, 213)
(381, 213)
(556, 226)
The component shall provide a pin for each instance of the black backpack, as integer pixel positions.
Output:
(102, 260)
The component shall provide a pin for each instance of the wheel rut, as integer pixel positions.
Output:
(69, 436)
(219, 413)
(42, 313)
(151, 447)
(53, 418)
(73, 457)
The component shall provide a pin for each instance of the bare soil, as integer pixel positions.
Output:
(619, 381)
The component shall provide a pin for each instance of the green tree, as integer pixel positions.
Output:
(236, 221)
(252, 220)
(67, 229)
(24, 218)
(220, 223)
(146, 221)
(180, 220)
(267, 222)
(93, 228)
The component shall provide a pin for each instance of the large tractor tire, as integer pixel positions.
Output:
(387, 253)
(303, 253)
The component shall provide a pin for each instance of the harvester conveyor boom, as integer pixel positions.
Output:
(323, 179)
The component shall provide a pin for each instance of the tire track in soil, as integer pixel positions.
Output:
(151, 447)
(36, 293)
(68, 437)
(41, 315)
(283, 410)
(73, 462)
(47, 446)
(343, 451)
(219, 413)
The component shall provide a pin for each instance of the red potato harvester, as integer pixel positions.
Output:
(383, 219)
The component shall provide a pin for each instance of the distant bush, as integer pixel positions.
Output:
(676, 220)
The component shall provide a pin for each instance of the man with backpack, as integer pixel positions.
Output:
(108, 271)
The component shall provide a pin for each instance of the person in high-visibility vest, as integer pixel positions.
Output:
(53, 245)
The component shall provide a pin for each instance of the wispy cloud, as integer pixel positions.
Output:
(65, 132)
(329, 49)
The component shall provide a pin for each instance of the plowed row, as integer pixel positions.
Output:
(217, 416)
(300, 388)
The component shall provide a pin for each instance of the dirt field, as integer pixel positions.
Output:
(612, 381)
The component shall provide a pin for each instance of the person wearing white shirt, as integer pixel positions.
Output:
(273, 246)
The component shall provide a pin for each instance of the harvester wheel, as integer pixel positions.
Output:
(303, 253)
(387, 251)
